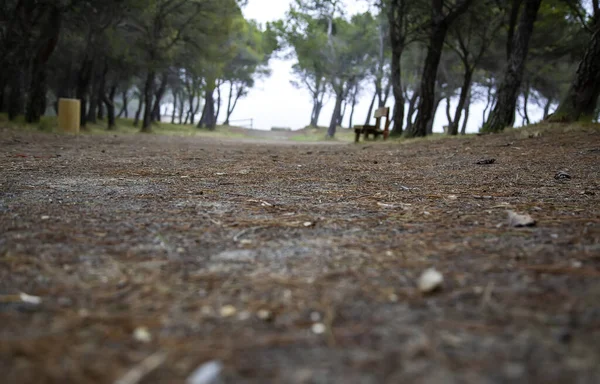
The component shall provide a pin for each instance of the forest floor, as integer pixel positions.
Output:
(139, 258)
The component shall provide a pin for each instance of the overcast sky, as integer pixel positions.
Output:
(274, 102)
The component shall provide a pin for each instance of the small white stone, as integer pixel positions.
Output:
(228, 311)
(45, 217)
(308, 224)
(576, 264)
(207, 373)
(142, 335)
(318, 328)
(35, 300)
(430, 280)
(393, 297)
(263, 314)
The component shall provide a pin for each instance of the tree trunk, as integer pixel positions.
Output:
(125, 106)
(92, 112)
(462, 100)
(218, 111)
(463, 130)
(208, 113)
(110, 107)
(412, 108)
(229, 103)
(136, 120)
(525, 102)
(174, 112)
(337, 110)
(342, 113)
(159, 95)
(46, 44)
(148, 93)
(448, 114)
(428, 81)
(547, 108)
(352, 106)
(181, 107)
(396, 18)
(503, 114)
(2, 92)
(582, 98)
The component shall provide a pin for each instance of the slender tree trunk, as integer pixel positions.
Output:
(138, 113)
(428, 80)
(36, 103)
(148, 93)
(92, 112)
(463, 130)
(110, 107)
(489, 101)
(525, 102)
(462, 100)
(123, 110)
(448, 114)
(342, 113)
(412, 108)
(159, 95)
(396, 18)
(218, 111)
(181, 107)
(370, 112)
(547, 108)
(190, 117)
(352, 106)
(174, 113)
(229, 103)
(581, 100)
(503, 114)
(337, 110)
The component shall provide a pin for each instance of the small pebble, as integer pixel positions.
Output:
(318, 328)
(430, 280)
(264, 314)
(315, 316)
(142, 335)
(207, 373)
(228, 311)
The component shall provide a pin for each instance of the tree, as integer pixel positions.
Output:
(443, 14)
(581, 100)
(503, 114)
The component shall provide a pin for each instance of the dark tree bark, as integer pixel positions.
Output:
(440, 24)
(208, 114)
(462, 100)
(353, 100)
(124, 109)
(148, 93)
(84, 78)
(412, 108)
(181, 107)
(463, 130)
(337, 110)
(159, 95)
(174, 113)
(581, 100)
(397, 10)
(109, 101)
(547, 108)
(503, 114)
(218, 111)
(436, 104)
(525, 103)
(138, 113)
(2, 93)
(45, 46)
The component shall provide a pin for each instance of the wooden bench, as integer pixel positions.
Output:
(375, 130)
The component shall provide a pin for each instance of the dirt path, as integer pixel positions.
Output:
(299, 263)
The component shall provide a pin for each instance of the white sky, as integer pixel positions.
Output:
(274, 102)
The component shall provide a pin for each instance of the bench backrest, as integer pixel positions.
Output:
(382, 112)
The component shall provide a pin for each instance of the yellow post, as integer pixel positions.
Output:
(69, 115)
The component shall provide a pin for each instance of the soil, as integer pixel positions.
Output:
(299, 263)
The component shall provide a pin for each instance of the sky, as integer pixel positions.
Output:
(274, 102)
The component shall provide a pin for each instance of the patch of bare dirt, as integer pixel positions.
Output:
(299, 263)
